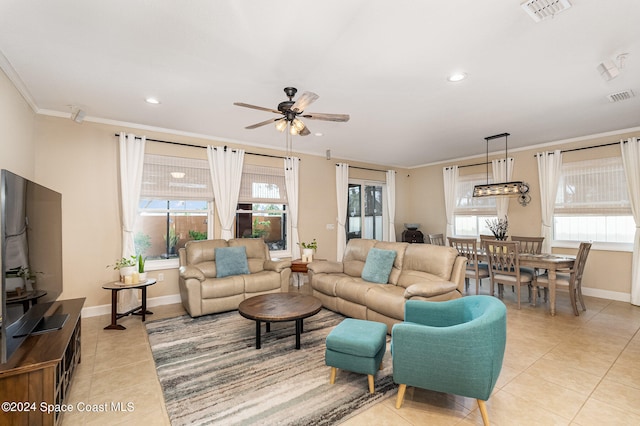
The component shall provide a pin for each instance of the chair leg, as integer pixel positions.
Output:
(572, 297)
(400, 397)
(332, 377)
(370, 380)
(584, 307)
(483, 411)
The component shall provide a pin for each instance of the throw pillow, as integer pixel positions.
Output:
(231, 261)
(378, 265)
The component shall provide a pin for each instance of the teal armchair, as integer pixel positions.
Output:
(456, 347)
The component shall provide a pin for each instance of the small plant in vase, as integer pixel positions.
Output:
(126, 266)
(498, 228)
(141, 271)
(308, 250)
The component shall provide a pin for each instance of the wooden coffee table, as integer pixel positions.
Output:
(279, 307)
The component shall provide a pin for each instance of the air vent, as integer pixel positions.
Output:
(620, 96)
(542, 9)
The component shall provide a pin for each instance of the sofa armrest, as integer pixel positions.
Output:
(187, 272)
(325, 267)
(429, 289)
(276, 265)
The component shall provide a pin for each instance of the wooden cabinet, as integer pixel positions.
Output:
(40, 371)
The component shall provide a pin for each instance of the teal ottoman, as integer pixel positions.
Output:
(358, 346)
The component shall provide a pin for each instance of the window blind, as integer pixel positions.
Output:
(262, 184)
(466, 203)
(175, 178)
(593, 187)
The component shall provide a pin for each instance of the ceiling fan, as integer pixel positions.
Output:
(291, 110)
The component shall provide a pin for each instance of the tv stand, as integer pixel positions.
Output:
(41, 369)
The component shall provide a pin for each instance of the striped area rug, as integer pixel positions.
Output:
(211, 373)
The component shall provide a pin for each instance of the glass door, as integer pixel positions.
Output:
(365, 214)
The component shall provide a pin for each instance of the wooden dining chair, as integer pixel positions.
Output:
(530, 245)
(468, 247)
(504, 266)
(570, 279)
(436, 239)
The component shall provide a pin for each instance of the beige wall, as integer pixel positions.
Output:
(607, 273)
(16, 126)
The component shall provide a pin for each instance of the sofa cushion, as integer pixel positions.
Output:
(399, 248)
(387, 300)
(261, 282)
(202, 250)
(231, 261)
(257, 252)
(355, 256)
(429, 258)
(378, 265)
(353, 289)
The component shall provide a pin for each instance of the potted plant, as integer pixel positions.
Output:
(141, 271)
(126, 266)
(308, 250)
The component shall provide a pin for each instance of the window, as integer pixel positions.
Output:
(262, 208)
(471, 213)
(592, 203)
(175, 205)
(366, 210)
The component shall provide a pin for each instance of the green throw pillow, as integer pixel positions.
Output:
(378, 265)
(231, 261)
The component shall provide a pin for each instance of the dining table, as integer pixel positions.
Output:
(549, 261)
(552, 263)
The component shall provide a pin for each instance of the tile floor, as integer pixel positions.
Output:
(561, 370)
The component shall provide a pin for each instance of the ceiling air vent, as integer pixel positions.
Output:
(620, 96)
(543, 9)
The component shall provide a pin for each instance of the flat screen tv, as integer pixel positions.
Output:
(31, 260)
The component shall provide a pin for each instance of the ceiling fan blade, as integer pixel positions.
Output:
(242, 104)
(263, 123)
(327, 117)
(306, 99)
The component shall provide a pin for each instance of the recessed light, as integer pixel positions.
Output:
(457, 76)
(153, 101)
(318, 134)
(177, 175)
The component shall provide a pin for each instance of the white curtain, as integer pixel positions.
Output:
(631, 161)
(226, 174)
(131, 165)
(292, 181)
(342, 193)
(450, 178)
(549, 170)
(502, 172)
(391, 204)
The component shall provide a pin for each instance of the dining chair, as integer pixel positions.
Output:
(570, 279)
(504, 266)
(530, 245)
(436, 239)
(468, 247)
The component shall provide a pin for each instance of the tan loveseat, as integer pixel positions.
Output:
(202, 293)
(420, 272)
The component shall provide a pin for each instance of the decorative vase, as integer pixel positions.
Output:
(307, 255)
(143, 277)
(127, 271)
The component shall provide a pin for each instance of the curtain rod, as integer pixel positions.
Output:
(200, 146)
(585, 147)
(365, 168)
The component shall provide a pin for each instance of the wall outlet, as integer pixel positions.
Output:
(160, 277)
(330, 227)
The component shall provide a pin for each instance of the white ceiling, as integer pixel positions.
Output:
(384, 63)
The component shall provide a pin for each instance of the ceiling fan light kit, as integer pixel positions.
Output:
(510, 189)
(291, 110)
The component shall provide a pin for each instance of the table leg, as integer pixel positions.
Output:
(258, 334)
(114, 315)
(144, 304)
(552, 291)
(298, 331)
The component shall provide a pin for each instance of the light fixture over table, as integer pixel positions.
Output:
(509, 189)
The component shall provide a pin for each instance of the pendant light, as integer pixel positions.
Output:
(510, 189)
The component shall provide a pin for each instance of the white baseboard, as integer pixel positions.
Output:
(606, 294)
(94, 311)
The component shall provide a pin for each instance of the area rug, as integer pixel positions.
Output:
(211, 373)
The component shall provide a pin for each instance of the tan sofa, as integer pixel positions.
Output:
(420, 272)
(202, 293)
